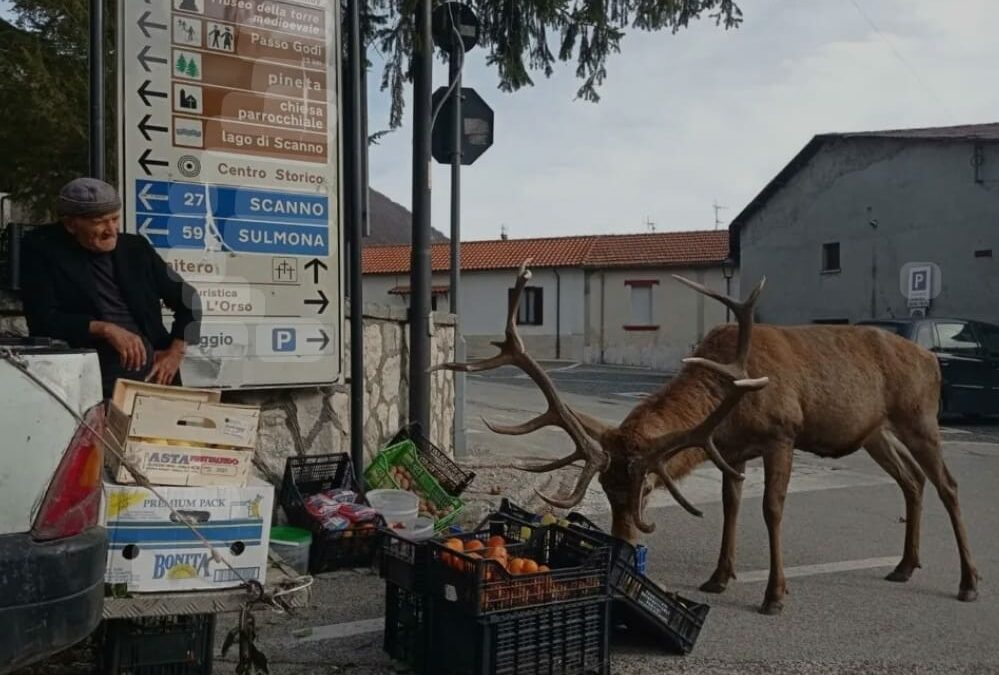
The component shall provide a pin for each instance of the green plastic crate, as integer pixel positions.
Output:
(405, 454)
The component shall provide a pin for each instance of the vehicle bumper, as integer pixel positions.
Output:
(51, 594)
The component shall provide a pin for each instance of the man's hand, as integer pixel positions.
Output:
(129, 346)
(166, 363)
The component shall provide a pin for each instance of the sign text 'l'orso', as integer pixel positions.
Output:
(229, 146)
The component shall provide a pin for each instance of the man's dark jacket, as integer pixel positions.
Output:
(59, 291)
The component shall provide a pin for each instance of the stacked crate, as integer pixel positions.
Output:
(453, 612)
(196, 453)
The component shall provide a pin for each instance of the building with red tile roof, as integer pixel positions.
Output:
(596, 298)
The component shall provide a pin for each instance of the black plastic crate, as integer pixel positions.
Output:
(407, 627)
(330, 550)
(509, 508)
(448, 474)
(645, 607)
(403, 562)
(578, 568)
(565, 639)
(163, 645)
(623, 554)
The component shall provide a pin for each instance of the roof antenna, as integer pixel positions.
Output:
(718, 208)
(650, 224)
(504, 235)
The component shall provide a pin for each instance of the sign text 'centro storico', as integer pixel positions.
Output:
(230, 143)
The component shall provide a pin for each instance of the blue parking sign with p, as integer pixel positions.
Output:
(284, 340)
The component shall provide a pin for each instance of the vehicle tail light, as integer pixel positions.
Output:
(72, 502)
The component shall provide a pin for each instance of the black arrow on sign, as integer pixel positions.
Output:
(145, 93)
(325, 339)
(145, 127)
(145, 24)
(316, 264)
(145, 59)
(323, 302)
(145, 163)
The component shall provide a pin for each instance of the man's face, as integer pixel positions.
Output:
(98, 234)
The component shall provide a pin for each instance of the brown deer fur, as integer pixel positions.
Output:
(832, 390)
(760, 392)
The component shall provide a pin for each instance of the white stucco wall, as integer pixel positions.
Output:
(681, 315)
(484, 307)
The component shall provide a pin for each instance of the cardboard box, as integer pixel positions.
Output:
(181, 437)
(151, 550)
(125, 392)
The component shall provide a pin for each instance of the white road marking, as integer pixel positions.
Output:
(820, 568)
(338, 631)
(950, 430)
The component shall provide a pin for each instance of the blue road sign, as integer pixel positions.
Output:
(238, 236)
(248, 220)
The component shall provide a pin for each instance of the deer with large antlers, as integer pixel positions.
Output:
(758, 392)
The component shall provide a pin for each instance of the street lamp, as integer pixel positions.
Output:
(728, 270)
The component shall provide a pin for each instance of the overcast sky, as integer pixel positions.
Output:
(706, 115)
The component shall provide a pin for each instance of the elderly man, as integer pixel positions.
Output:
(93, 286)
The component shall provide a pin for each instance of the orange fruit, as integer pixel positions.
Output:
(497, 553)
(450, 560)
(496, 541)
(474, 545)
(516, 566)
(529, 567)
(544, 568)
(471, 566)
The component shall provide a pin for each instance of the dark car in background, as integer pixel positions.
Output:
(968, 352)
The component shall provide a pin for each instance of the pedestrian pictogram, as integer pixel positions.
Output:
(221, 37)
(187, 31)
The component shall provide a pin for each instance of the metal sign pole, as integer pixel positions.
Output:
(454, 67)
(356, 226)
(420, 270)
(97, 89)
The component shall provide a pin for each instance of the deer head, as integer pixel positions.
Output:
(625, 461)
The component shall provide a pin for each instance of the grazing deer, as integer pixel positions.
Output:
(753, 392)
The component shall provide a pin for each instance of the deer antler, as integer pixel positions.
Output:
(737, 384)
(582, 428)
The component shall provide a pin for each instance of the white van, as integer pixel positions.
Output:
(52, 553)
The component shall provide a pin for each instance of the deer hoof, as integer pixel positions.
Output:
(772, 607)
(899, 575)
(967, 595)
(714, 586)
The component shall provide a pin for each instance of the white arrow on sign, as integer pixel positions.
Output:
(145, 230)
(145, 197)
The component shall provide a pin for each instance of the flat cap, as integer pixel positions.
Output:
(87, 197)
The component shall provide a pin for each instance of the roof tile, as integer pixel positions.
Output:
(593, 251)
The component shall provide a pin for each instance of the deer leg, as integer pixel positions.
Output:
(924, 445)
(731, 498)
(776, 475)
(893, 457)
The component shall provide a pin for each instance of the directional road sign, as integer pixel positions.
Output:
(229, 167)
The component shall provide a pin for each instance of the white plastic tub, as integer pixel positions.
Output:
(421, 529)
(395, 506)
